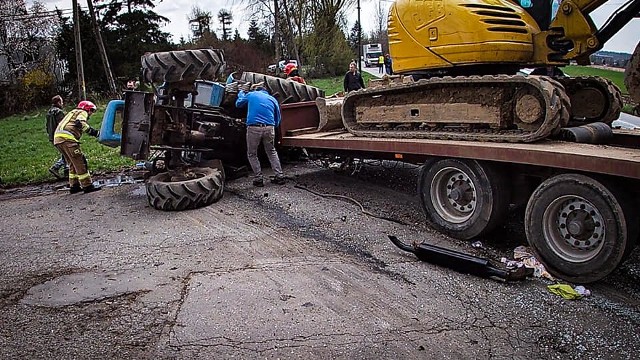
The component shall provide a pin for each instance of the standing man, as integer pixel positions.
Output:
(263, 116)
(352, 79)
(67, 140)
(387, 64)
(54, 116)
(380, 64)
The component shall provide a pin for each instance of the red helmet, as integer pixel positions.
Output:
(289, 68)
(87, 106)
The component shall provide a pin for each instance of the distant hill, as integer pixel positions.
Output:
(610, 58)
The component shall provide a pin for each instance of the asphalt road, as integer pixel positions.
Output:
(280, 272)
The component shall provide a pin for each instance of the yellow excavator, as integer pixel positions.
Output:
(464, 57)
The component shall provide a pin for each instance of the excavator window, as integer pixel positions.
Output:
(540, 10)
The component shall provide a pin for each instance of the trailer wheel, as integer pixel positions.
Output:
(463, 198)
(183, 190)
(287, 91)
(579, 228)
(185, 65)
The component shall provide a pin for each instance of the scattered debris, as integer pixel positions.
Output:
(477, 245)
(524, 257)
(461, 262)
(582, 291)
(117, 181)
(568, 292)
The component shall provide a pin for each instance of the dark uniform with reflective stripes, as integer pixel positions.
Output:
(67, 140)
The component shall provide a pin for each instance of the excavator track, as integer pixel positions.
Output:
(477, 108)
(593, 98)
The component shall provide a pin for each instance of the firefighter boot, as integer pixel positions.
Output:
(75, 189)
(91, 188)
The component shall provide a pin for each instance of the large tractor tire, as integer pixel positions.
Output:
(632, 76)
(286, 91)
(182, 66)
(198, 187)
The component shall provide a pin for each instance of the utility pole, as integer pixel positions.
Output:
(103, 52)
(82, 92)
(276, 31)
(291, 34)
(359, 40)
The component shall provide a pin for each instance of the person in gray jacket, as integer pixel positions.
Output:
(54, 116)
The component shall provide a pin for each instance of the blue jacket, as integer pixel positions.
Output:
(263, 108)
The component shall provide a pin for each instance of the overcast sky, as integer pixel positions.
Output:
(177, 10)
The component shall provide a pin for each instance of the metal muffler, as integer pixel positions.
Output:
(461, 262)
(593, 133)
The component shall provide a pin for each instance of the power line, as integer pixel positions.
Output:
(35, 15)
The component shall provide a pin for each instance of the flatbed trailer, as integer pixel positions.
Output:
(581, 200)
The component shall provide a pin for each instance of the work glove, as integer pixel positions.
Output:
(244, 87)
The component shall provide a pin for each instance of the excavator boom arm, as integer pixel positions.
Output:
(572, 35)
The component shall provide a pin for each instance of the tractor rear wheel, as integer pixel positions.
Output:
(182, 66)
(182, 190)
(286, 91)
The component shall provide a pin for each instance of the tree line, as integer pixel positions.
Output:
(37, 48)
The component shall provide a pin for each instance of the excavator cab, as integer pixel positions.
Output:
(480, 37)
(540, 11)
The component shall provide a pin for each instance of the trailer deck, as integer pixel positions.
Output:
(620, 158)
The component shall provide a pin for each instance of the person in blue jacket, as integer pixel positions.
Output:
(263, 116)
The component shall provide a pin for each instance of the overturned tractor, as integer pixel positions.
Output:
(188, 130)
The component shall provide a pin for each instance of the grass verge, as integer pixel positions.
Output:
(335, 84)
(617, 77)
(26, 153)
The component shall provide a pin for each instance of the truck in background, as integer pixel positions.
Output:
(371, 53)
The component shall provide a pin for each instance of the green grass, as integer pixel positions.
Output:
(26, 153)
(334, 84)
(617, 77)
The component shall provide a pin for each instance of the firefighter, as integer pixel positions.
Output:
(291, 70)
(67, 140)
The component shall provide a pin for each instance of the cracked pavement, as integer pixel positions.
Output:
(280, 272)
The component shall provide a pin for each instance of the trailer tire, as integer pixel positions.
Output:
(580, 230)
(168, 192)
(182, 66)
(286, 91)
(463, 198)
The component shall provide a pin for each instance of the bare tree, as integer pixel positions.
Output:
(26, 38)
(225, 18)
(266, 9)
(380, 17)
(291, 20)
(199, 21)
